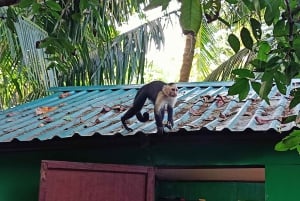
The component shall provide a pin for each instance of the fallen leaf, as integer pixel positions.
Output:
(105, 109)
(64, 95)
(210, 118)
(10, 114)
(97, 121)
(192, 125)
(48, 120)
(195, 112)
(43, 110)
(220, 101)
(119, 108)
(261, 121)
(221, 115)
(247, 114)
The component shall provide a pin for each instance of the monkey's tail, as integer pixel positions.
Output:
(142, 118)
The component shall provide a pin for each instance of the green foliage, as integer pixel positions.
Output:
(211, 9)
(237, 61)
(191, 12)
(277, 54)
(157, 3)
(124, 58)
(83, 45)
(240, 87)
(276, 51)
(256, 28)
(205, 54)
(263, 52)
(272, 10)
(234, 42)
(242, 84)
(246, 38)
(295, 101)
(191, 16)
(290, 142)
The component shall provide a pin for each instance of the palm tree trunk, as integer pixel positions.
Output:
(188, 56)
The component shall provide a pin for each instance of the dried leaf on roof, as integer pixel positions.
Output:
(64, 95)
(119, 108)
(261, 121)
(44, 109)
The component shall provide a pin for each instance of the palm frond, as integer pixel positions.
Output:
(240, 60)
(205, 52)
(123, 60)
(14, 87)
(235, 15)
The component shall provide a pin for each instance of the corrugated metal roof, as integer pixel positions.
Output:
(87, 111)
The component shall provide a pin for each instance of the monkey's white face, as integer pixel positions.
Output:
(172, 90)
(167, 96)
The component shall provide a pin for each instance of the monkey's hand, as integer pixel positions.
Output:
(170, 124)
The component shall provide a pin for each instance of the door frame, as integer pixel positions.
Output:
(48, 165)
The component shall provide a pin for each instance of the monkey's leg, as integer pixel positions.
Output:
(159, 121)
(170, 122)
(136, 108)
(138, 103)
(162, 114)
(168, 125)
(126, 116)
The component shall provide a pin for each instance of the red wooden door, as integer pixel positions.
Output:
(72, 181)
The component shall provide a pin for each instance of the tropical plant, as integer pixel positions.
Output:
(274, 54)
(191, 17)
(84, 45)
(196, 20)
(277, 56)
(77, 41)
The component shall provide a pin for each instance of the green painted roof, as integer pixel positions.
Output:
(96, 110)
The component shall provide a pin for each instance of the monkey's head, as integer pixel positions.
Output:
(170, 90)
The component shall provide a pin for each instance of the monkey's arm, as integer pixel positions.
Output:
(159, 110)
(170, 122)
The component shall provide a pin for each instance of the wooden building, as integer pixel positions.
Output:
(71, 146)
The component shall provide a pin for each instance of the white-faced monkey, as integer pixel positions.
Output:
(160, 94)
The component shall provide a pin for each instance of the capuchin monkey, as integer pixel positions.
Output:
(160, 94)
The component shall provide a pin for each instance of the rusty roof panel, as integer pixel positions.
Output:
(87, 111)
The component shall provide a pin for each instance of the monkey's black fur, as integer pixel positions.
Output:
(149, 91)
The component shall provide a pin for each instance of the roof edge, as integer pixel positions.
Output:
(132, 86)
(140, 140)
